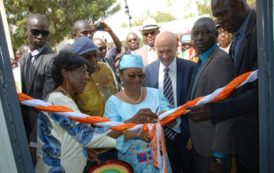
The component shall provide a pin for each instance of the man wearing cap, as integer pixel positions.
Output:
(149, 30)
(101, 84)
(97, 90)
(187, 49)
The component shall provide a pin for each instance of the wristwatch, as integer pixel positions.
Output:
(219, 161)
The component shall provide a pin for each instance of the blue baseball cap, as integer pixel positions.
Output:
(186, 38)
(131, 61)
(83, 45)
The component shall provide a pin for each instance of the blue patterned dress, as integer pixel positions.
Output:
(61, 141)
(136, 152)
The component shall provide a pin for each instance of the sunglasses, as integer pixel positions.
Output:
(102, 48)
(36, 32)
(152, 33)
(132, 40)
(133, 76)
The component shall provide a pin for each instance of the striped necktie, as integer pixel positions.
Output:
(168, 93)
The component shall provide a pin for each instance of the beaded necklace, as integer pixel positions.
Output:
(133, 101)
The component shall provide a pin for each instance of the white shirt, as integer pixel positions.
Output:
(173, 76)
(151, 55)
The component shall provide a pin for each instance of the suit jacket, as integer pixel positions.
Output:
(216, 72)
(143, 52)
(243, 104)
(184, 72)
(38, 85)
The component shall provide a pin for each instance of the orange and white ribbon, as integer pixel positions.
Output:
(152, 130)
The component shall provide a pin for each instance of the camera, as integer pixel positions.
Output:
(99, 26)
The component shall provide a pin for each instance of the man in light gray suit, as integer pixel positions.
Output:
(150, 30)
(36, 72)
(212, 143)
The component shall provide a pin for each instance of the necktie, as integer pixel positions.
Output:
(31, 68)
(168, 93)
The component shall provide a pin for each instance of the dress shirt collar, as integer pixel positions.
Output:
(203, 56)
(150, 48)
(36, 52)
(171, 66)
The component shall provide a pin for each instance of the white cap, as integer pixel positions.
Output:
(150, 23)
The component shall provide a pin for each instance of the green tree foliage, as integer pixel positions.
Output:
(61, 13)
(204, 7)
(159, 18)
(163, 17)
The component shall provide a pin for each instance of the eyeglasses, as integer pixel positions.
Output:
(36, 32)
(102, 48)
(152, 33)
(132, 40)
(222, 32)
(133, 76)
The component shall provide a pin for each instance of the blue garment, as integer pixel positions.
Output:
(62, 143)
(203, 56)
(135, 151)
(238, 37)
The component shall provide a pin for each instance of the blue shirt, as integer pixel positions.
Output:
(238, 37)
(203, 56)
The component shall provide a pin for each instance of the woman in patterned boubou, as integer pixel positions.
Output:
(61, 141)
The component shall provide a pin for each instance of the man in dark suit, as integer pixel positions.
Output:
(36, 70)
(236, 17)
(212, 143)
(180, 72)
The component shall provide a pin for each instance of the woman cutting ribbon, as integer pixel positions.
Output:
(139, 105)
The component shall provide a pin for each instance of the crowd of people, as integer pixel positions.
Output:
(135, 84)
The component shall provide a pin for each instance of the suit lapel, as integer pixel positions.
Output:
(179, 80)
(156, 78)
(145, 54)
(24, 66)
(200, 72)
(244, 43)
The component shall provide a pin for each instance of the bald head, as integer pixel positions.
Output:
(209, 22)
(37, 19)
(101, 47)
(132, 41)
(166, 36)
(37, 30)
(81, 28)
(166, 47)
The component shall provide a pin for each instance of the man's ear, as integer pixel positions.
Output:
(64, 73)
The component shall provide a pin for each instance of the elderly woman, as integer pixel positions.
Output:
(61, 141)
(135, 104)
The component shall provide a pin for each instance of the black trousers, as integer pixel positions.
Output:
(202, 163)
(181, 159)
